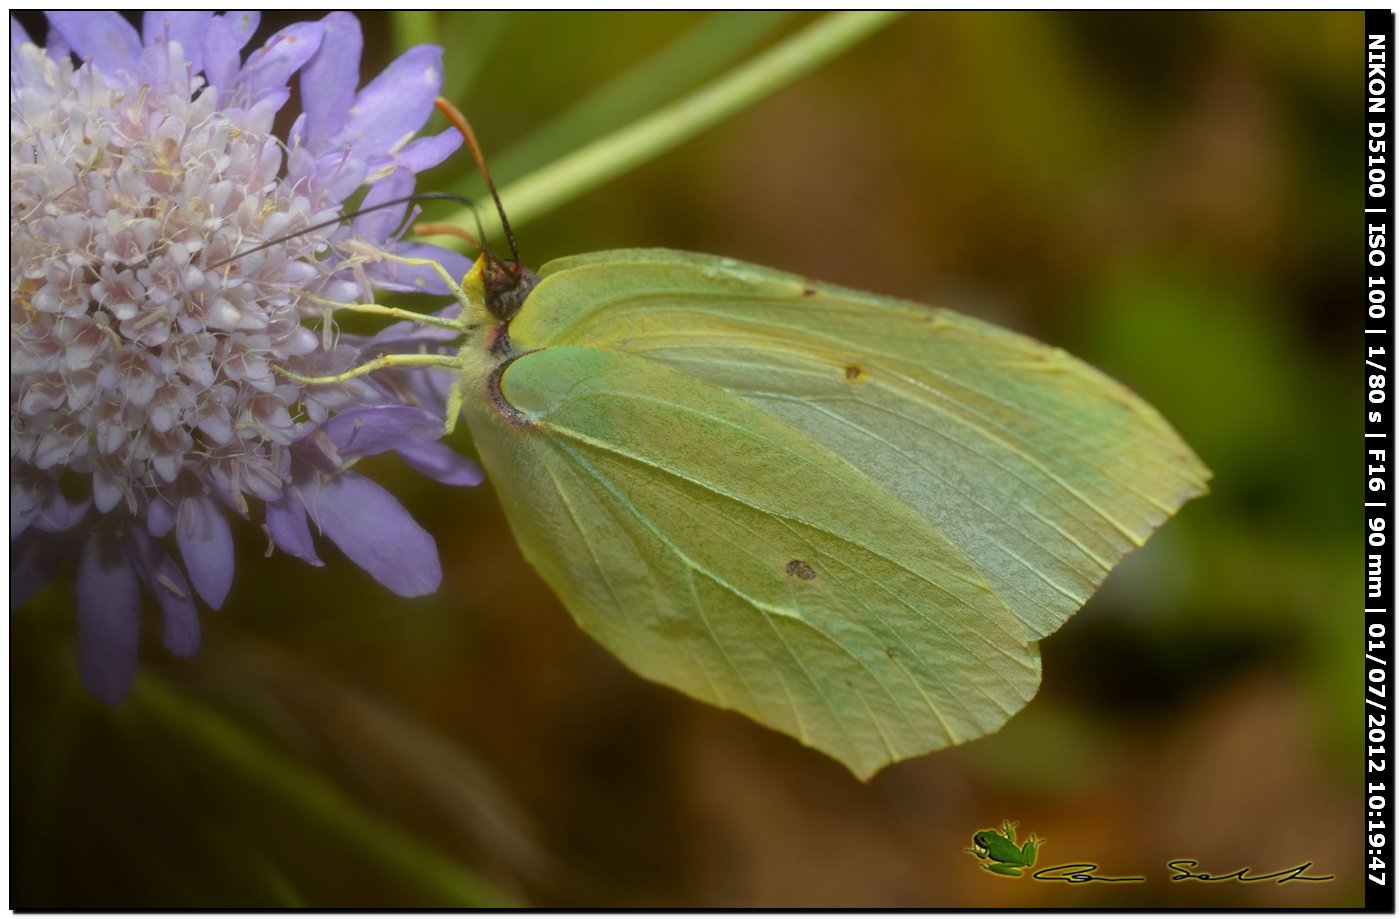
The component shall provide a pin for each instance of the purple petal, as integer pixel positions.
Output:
(442, 463)
(378, 225)
(185, 27)
(370, 526)
(396, 103)
(109, 619)
(160, 66)
(426, 152)
(57, 513)
(160, 517)
(270, 67)
(35, 558)
(163, 578)
(107, 38)
(339, 173)
(408, 334)
(328, 83)
(286, 523)
(221, 61)
(17, 35)
(398, 276)
(105, 493)
(29, 70)
(55, 45)
(206, 545)
(26, 496)
(241, 25)
(37, 501)
(374, 429)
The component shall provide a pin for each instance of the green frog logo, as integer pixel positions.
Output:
(999, 853)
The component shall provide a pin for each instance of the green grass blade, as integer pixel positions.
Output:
(713, 44)
(414, 27)
(470, 37)
(649, 137)
(314, 799)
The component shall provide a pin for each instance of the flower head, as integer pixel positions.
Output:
(153, 364)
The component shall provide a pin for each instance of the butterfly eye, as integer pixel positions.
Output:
(507, 284)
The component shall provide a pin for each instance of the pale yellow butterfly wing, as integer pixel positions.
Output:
(716, 549)
(1043, 471)
(848, 517)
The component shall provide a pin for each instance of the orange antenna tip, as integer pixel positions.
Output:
(459, 121)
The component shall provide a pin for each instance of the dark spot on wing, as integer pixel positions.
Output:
(809, 291)
(797, 568)
(854, 372)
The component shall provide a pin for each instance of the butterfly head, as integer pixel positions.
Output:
(506, 285)
(506, 282)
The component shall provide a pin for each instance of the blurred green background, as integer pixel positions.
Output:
(1173, 197)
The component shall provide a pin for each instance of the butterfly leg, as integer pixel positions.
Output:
(469, 308)
(375, 309)
(379, 363)
(455, 395)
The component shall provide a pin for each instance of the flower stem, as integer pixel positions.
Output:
(315, 799)
(649, 137)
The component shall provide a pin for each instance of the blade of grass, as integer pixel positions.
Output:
(713, 44)
(313, 798)
(414, 27)
(649, 137)
(471, 36)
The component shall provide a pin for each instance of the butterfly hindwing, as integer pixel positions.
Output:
(714, 547)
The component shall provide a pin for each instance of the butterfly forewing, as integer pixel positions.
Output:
(1043, 471)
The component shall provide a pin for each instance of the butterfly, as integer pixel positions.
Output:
(846, 516)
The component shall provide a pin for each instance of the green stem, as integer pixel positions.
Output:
(713, 44)
(649, 137)
(414, 27)
(315, 799)
(471, 36)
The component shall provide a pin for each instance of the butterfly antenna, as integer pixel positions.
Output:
(459, 121)
(431, 228)
(407, 199)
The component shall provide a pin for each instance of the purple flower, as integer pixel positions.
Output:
(146, 362)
